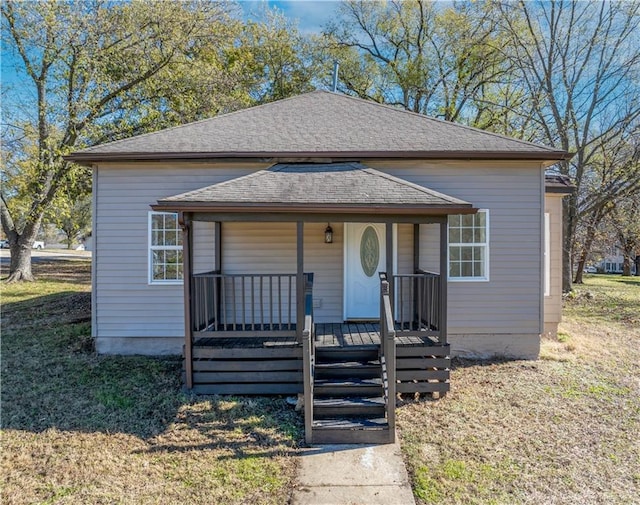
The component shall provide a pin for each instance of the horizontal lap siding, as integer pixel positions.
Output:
(325, 261)
(510, 301)
(268, 248)
(126, 305)
(553, 303)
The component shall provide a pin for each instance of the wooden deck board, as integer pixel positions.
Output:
(364, 333)
(326, 335)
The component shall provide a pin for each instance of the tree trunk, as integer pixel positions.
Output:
(19, 244)
(567, 264)
(588, 242)
(627, 257)
(20, 266)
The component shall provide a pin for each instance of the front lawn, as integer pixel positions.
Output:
(82, 428)
(563, 429)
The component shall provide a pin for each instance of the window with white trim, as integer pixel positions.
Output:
(165, 248)
(469, 246)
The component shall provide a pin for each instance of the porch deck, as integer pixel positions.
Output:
(274, 365)
(364, 333)
(348, 334)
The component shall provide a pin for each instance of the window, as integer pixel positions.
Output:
(165, 248)
(469, 246)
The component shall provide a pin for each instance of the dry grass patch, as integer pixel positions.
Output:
(82, 428)
(563, 429)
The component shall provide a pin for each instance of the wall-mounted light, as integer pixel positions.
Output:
(328, 234)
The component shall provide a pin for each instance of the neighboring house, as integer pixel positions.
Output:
(253, 242)
(613, 263)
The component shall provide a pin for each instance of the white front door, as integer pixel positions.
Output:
(365, 257)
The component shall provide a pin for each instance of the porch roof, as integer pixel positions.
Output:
(348, 188)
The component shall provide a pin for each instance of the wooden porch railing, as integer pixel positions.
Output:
(308, 358)
(241, 304)
(419, 302)
(388, 354)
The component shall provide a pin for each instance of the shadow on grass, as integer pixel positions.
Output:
(52, 379)
(635, 281)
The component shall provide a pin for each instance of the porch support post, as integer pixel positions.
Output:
(389, 257)
(218, 246)
(185, 222)
(416, 247)
(300, 287)
(444, 274)
(417, 282)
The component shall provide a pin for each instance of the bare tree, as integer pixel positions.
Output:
(427, 58)
(579, 64)
(626, 223)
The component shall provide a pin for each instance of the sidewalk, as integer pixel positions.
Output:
(353, 475)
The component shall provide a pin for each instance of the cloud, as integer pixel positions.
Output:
(311, 15)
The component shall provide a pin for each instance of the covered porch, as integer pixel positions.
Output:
(256, 333)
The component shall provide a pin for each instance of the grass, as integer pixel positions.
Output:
(82, 428)
(563, 429)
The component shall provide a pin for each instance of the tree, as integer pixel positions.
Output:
(75, 219)
(626, 223)
(579, 64)
(612, 180)
(431, 59)
(96, 70)
(282, 61)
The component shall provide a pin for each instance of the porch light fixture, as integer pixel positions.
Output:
(328, 234)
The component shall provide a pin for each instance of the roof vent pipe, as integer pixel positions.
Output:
(336, 65)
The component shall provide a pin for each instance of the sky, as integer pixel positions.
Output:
(311, 15)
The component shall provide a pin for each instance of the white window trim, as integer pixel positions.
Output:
(486, 278)
(151, 248)
(547, 254)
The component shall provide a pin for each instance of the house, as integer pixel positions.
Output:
(613, 262)
(324, 245)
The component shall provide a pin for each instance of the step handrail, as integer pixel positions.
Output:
(388, 354)
(308, 358)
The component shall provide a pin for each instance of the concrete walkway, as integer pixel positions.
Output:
(353, 475)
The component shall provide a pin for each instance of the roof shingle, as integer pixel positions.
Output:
(319, 123)
(316, 185)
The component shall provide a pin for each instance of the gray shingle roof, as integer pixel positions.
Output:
(555, 183)
(320, 123)
(313, 186)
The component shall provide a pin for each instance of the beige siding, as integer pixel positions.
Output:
(125, 304)
(501, 316)
(553, 302)
(510, 302)
(271, 248)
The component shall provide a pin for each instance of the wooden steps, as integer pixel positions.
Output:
(338, 388)
(349, 404)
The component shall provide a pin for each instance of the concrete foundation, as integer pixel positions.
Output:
(481, 346)
(148, 346)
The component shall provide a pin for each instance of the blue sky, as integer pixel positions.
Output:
(310, 15)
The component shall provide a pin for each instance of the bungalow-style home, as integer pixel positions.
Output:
(613, 262)
(322, 245)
